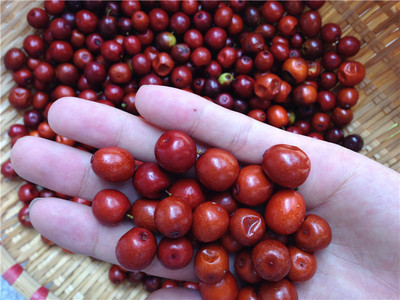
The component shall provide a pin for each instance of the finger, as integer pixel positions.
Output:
(245, 137)
(101, 126)
(215, 125)
(175, 293)
(61, 168)
(73, 227)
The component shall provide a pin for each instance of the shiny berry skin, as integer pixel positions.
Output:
(334, 135)
(23, 216)
(175, 151)
(331, 61)
(211, 263)
(215, 38)
(348, 46)
(282, 289)
(210, 221)
(44, 72)
(20, 97)
(320, 121)
(27, 192)
(272, 11)
(174, 254)
(314, 234)
(17, 130)
(190, 284)
(7, 170)
(310, 23)
(326, 100)
(151, 283)
(303, 266)
(110, 206)
(245, 268)
(23, 77)
(248, 293)
(37, 18)
(225, 199)
(188, 189)
(14, 59)
(179, 23)
(150, 180)
(169, 284)
(81, 201)
(136, 249)
(217, 169)
(264, 61)
(243, 86)
(271, 260)
(86, 21)
(327, 80)
(287, 25)
(112, 51)
(229, 243)
(142, 212)
(286, 165)
(305, 94)
(159, 19)
(116, 274)
(141, 65)
(173, 217)
(247, 226)
(226, 289)
(347, 97)
(353, 142)
(200, 57)
(252, 187)
(351, 73)
(267, 86)
(277, 116)
(285, 211)
(341, 116)
(113, 164)
(34, 46)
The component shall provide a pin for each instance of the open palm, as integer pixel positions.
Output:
(357, 196)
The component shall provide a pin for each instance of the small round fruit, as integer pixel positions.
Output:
(282, 289)
(217, 169)
(113, 164)
(303, 266)
(314, 234)
(252, 187)
(285, 211)
(211, 263)
(173, 217)
(136, 249)
(110, 206)
(271, 260)
(286, 165)
(150, 180)
(247, 226)
(175, 151)
(175, 254)
(226, 289)
(210, 221)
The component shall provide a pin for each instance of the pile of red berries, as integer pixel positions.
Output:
(253, 212)
(272, 60)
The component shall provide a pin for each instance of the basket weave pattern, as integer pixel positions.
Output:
(36, 269)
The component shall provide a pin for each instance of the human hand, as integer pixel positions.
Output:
(357, 196)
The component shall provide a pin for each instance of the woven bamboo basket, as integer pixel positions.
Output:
(37, 270)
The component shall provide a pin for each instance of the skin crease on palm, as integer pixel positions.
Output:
(356, 195)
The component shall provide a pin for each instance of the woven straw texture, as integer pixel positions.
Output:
(36, 269)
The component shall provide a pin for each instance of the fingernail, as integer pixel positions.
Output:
(33, 202)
